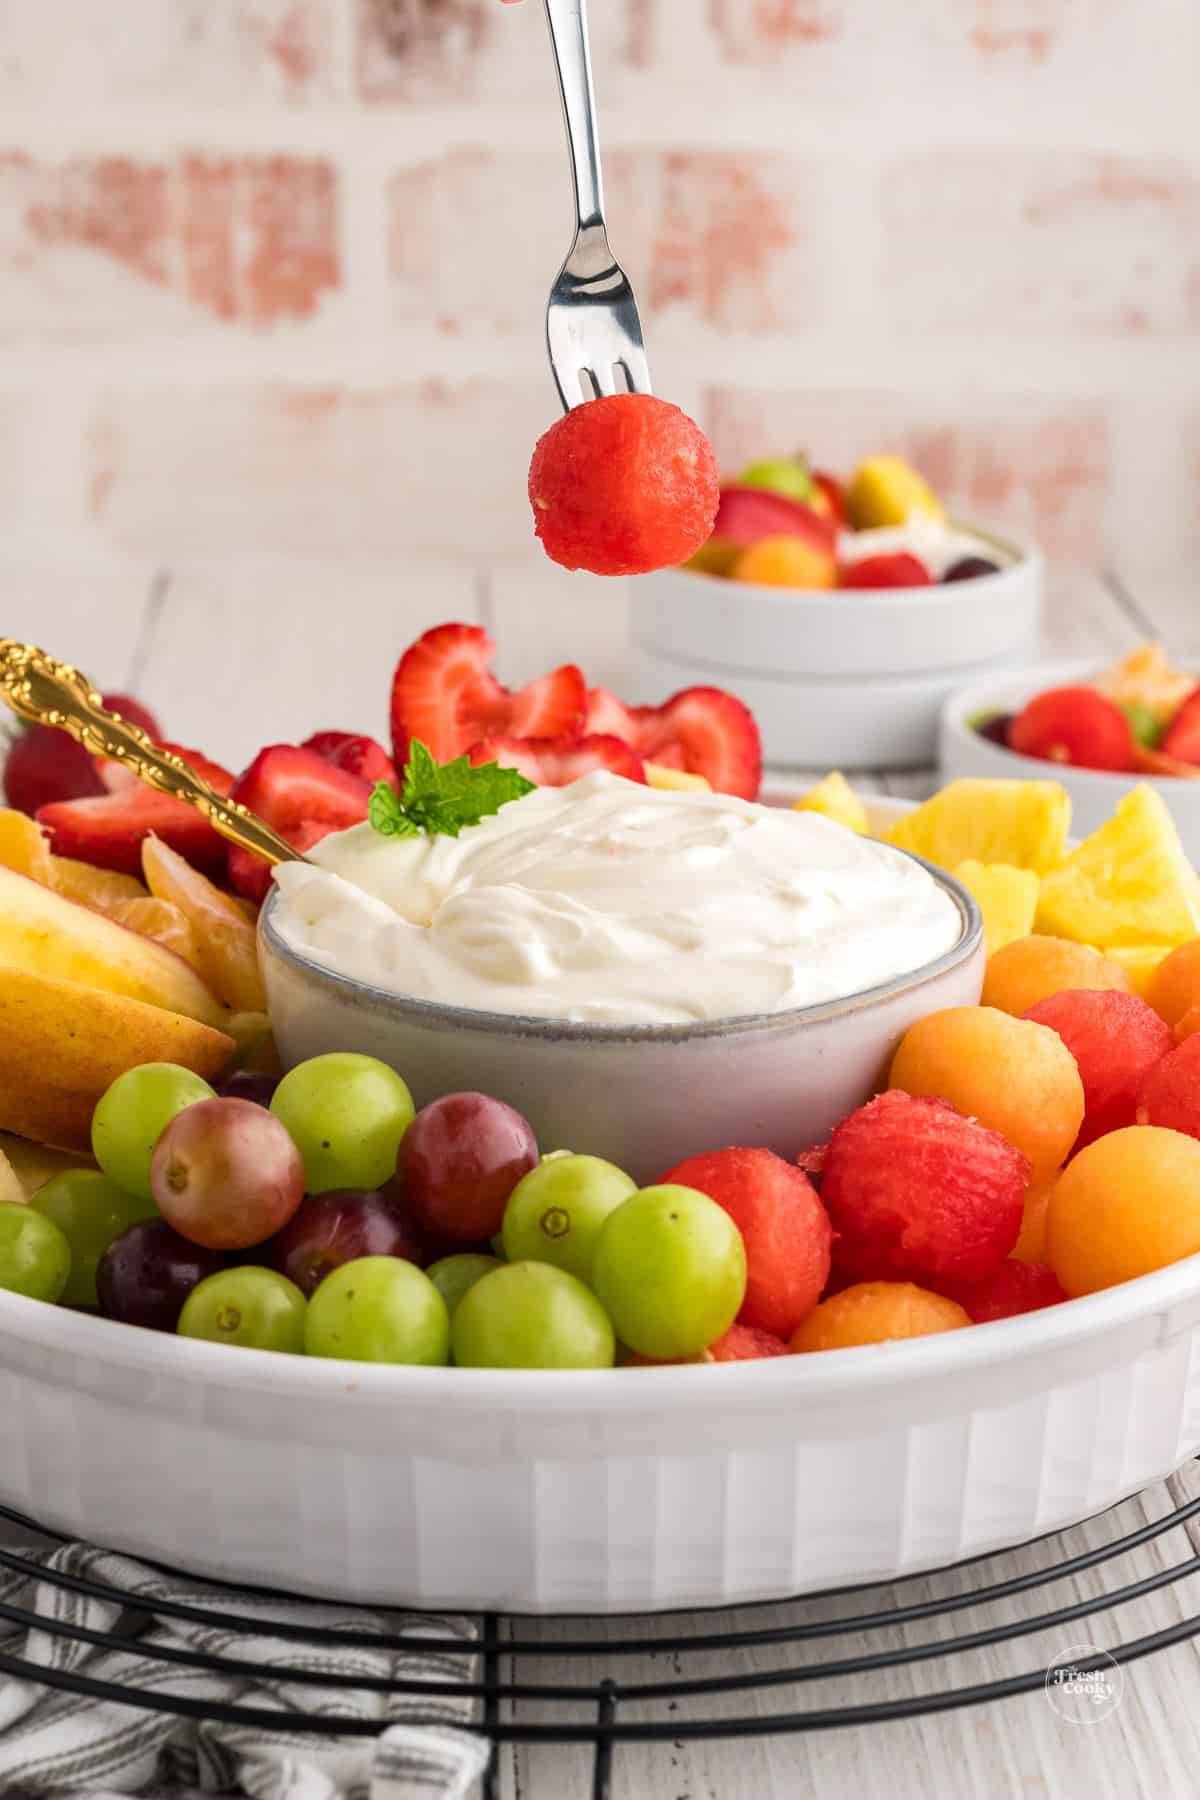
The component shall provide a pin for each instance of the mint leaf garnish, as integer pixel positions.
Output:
(441, 798)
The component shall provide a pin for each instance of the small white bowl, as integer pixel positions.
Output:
(1094, 792)
(855, 677)
(644, 1096)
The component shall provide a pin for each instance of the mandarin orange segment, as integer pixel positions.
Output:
(1023, 973)
(23, 846)
(159, 920)
(1128, 1204)
(1016, 1077)
(876, 1312)
(225, 939)
(103, 890)
(1030, 1246)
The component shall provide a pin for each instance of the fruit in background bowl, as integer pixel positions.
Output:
(1141, 714)
(783, 525)
(748, 515)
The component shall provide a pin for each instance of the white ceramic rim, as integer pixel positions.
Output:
(980, 697)
(828, 1374)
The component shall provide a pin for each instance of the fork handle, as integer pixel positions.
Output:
(569, 35)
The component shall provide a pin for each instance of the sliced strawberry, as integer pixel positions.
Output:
(707, 732)
(610, 717)
(551, 707)
(45, 766)
(303, 797)
(108, 830)
(829, 497)
(553, 762)
(444, 693)
(1182, 739)
(357, 755)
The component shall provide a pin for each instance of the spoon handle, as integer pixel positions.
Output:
(53, 693)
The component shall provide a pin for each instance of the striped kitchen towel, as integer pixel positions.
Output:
(56, 1744)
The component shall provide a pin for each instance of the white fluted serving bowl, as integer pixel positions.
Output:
(623, 1490)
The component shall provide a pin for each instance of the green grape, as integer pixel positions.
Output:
(670, 1269)
(530, 1315)
(556, 1212)
(1143, 723)
(786, 475)
(257, 1309)
(35, 1257)
(131, 1117)
(378, 1309)
(347, 1115)
(90, 1211)
(453, 1275)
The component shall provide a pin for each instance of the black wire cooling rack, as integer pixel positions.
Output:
(590, 1700)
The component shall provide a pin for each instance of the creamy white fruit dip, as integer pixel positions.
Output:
(618, 904)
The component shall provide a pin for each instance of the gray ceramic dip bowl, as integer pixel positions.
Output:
(643, 1096)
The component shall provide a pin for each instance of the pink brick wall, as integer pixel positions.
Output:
(272, 271)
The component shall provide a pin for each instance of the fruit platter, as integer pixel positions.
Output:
(1102, 728)
(797, 1234)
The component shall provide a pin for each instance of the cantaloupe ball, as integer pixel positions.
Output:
(1033, 968)
(1126, 1205)
(1017, 1077)
(874, 1312)
(1174, 989)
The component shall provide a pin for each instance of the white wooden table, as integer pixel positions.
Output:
(199, 648)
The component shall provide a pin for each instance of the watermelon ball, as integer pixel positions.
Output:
(741, 1343)
(623, 485)
(1116, 1039)
(917, 1192)
(1012, 1288)
(1170, 1092)
(783, 1224)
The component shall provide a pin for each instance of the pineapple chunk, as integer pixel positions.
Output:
(1007, 899)
(1139, 962)
(676, 780)
(1023, 824)
(1129, 883)
(837, 800)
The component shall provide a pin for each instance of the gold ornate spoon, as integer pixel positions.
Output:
(53, 693)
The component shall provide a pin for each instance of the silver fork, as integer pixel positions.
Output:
(593, 331)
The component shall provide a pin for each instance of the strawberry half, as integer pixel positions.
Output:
(553, 762)
(610, 717)
(707, 732)
(356, 754)
(444, 693)
(303, 797)
(108, 830)
(702, 730)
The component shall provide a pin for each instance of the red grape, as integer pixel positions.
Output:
(147, 1273)
(226, 1174)
(328, 1230)
(460, 1159)
(249, 1084)
(967, 568)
